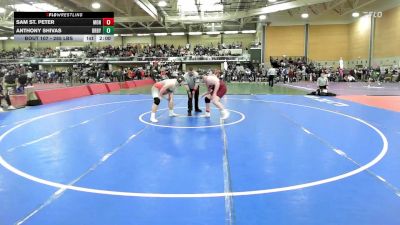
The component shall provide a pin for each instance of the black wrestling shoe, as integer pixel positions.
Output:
(198, 110)
(189, 113)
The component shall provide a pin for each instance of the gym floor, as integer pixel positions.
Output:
(279, 159)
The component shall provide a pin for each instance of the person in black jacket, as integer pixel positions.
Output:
(192, 88)
(22, 80)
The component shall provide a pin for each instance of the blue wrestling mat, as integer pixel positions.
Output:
(278, 160)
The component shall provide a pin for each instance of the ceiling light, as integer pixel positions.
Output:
(142, 35)
(212, 32)
(177, 33)
(2, 10)
(3, 38)
(12, 38)
(249, 31)
(160, 34)
(126, 35)
(263, 17)
(96, 5)
(115, 35)
(211, 6)
(271, 1)
(355, 14)
(304, 15)
(162, 3)
(195, 33)
(187, 7)
(231, 32)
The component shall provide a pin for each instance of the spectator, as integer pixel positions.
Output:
(9, 87)
(22, 79)
(271, 75)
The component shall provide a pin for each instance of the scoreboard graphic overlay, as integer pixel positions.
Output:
(64, 26)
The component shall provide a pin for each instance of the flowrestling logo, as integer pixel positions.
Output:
(374, 14)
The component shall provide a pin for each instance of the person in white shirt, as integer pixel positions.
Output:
(271, 75)
(350, 78)
(322, 83)
(29, 74)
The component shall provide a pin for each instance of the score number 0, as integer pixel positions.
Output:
(108, 21)
(108, 24)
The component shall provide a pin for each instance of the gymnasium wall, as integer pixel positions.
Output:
(137, 40)
(387, 34)
(10, 44)
(359, 34)
(387, 39)
(203, 66)
(206, 40)
(284, 40)
(386, 61)
(59, 68)
(172, 40)
(73, 43)
(328, 42)
(45, 44)
(245, 39)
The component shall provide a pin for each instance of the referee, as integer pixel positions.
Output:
(192, 88)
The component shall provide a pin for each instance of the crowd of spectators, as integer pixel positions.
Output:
(298, 69)
(19, 53)
(15, 77)
(136, 51)
(130, 50)
(286, 70)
